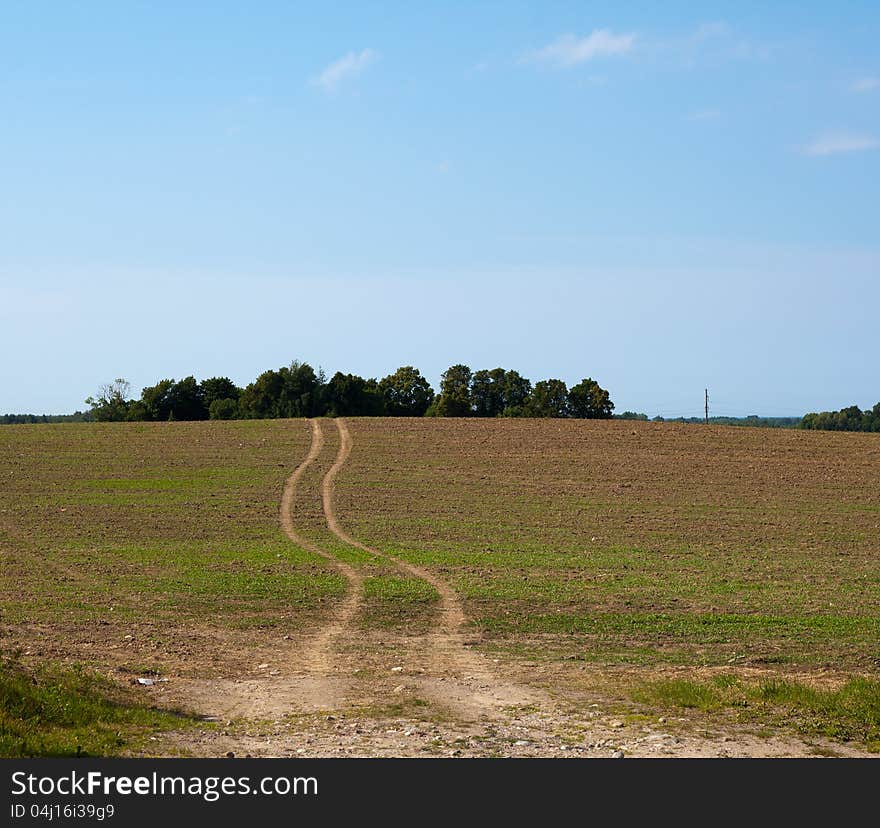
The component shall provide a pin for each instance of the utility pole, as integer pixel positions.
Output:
(707, 406)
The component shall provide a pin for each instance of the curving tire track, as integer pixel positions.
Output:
(447, 642)
(460, 679)
(319, 655)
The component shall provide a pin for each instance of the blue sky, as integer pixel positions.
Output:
(661, 196)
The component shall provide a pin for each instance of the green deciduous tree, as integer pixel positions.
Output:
(295, 391)
(170, 400)
(455, 392)
(223, 409)
(156, 400)
(347, 395)
(406, 393)
(260, 399)
(496, 393)
(588, 400)
(187, 400)
(301, 392)
(219, 388)
(549, 399)
(517, 390)
(112, 402)
(487, 392)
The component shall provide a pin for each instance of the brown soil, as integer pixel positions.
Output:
(107, 532)
(355, 693)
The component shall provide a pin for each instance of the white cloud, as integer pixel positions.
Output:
(705, 115)
(705, 31)
(568, 50)
(709, 42)
(348, 66)
(866, 85)
(834, 143)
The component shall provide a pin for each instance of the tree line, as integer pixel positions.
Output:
(752, 420)
(16, 419)
(298, 390)
(847, 419)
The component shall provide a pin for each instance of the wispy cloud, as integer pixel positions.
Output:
(834, 143)
(706, 31)
(866, 85)
(705, 115)
(710, 42)
(348, 66)
(570, 50)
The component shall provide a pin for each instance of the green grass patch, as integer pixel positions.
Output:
(685, 637)
(393, 601)
(167, 577)
(52, 711)
(703, 627)
(399, 590)
(850, 712)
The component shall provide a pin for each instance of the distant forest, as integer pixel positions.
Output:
(78, 417)
(298, 390)
(752, 420)
(847, 419)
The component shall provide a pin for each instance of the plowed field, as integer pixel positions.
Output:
(463, 587)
